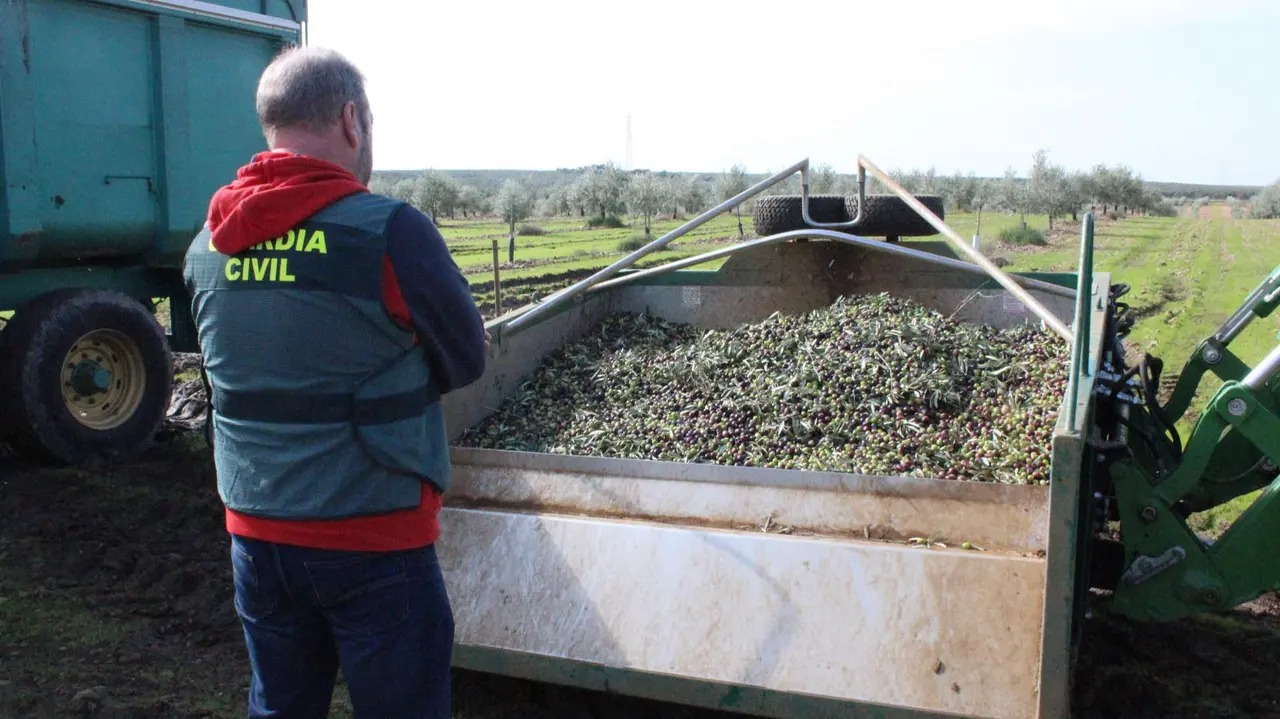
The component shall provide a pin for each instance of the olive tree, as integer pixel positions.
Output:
(513, 203)
(984, 195)
(822, 179)
(1080, 187)
(399, 189)
(1117, 187)
(578, 193)
(603, 189)
(672, 187)
(693, 195)
(1237, 209)
(1266, 204)
(1011, 195)
(960, 191)
(1048, 191)
(646, 195)
(558, 202)
(435, 194)
(731, 183)
(470, 200)
(381, 184)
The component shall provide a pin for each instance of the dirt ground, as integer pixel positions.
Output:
(115, 602)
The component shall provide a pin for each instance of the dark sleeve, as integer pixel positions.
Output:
(444, 315)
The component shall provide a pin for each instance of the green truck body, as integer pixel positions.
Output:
(118, 120)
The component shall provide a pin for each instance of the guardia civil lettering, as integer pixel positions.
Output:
(273, 268)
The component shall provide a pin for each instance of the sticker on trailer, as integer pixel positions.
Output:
(692, 296)
(1014, 305)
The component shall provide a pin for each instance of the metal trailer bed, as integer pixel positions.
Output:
(656, 579)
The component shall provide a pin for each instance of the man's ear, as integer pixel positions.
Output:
(351, 125)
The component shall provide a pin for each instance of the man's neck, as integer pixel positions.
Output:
(306, 145)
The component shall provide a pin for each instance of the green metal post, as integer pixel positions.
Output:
(1080, 347)
(1084, 290)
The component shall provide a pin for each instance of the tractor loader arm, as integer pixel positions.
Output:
(1145, 477)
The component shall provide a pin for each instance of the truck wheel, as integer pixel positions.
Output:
(890, 216)
(84, 374)
(781, 213)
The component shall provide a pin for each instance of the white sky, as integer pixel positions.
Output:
(1178, 90)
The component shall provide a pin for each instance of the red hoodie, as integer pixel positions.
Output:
(270, 196)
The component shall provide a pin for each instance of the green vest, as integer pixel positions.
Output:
(322, 406)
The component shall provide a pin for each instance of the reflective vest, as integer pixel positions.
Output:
(322, 406)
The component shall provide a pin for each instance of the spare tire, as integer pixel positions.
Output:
(781, 213)
(891, 216)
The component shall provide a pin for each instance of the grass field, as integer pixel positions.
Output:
(566, 252)
(113, 582)
(1188, 276)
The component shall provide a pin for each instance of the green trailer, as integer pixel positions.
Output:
(118, 120)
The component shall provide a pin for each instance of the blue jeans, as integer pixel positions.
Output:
(384, 617)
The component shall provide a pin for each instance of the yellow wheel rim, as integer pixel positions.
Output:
(103, 379)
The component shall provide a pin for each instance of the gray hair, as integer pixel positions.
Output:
(307, 87)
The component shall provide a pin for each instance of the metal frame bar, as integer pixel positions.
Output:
(1265, 292)
(705, 473)
(1265, 370)
(996, 273)
(531, 312)
(558, 298)
(845, 238)
(804, 199)
(222, 12)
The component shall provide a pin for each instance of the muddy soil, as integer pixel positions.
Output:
(115, 602)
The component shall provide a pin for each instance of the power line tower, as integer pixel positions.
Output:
(628, 142)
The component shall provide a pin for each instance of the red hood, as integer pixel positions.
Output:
(271, 195)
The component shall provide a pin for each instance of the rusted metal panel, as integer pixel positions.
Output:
(991, 516)
(929, 629)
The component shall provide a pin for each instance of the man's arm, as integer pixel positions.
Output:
(437, 299)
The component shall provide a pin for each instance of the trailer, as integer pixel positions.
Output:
(662, 579)
(118, 120)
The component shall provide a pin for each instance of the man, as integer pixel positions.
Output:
(331, 320)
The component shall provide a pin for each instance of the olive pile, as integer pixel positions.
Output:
(873, 384)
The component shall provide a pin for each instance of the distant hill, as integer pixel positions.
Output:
(488, 181)
(1217, 192)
